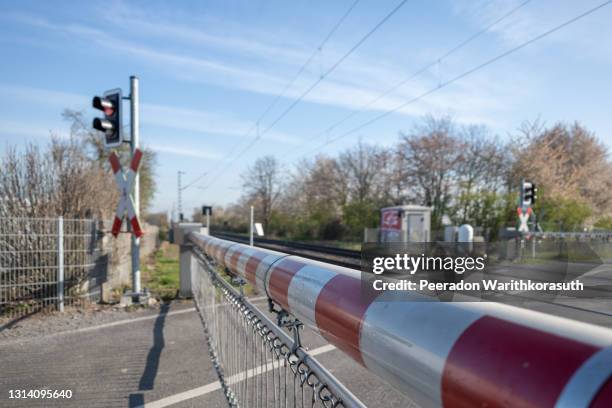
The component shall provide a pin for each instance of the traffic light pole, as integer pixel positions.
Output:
(134, 144)
(180, 196)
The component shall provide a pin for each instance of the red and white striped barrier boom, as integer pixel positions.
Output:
(477, 354)
(125, 187)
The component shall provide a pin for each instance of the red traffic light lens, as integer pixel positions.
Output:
(104, 105)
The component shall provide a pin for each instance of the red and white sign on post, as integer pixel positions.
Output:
(523, 218)
(125, 186)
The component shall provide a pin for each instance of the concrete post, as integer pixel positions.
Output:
(187, 261)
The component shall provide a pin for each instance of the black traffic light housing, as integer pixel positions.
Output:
(207, 209)
(111, 124)
(530, 193)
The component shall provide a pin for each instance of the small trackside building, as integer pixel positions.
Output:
(405, 223)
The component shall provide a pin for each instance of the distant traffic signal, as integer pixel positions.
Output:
(110, 104)
(529, 193)
(206, 210)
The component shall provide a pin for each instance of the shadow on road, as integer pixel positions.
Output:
(16, 320)
(147, 380)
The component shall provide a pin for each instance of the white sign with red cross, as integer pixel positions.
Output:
(124, 183)
(523, 218)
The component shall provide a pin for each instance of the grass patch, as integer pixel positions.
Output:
(162, 272)
(247, 288)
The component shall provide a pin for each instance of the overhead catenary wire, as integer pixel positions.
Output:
(463, 74)
(312, 86)
(334, 66)
(415, 74)
(305, 65)
(200, 177)
(308, 61)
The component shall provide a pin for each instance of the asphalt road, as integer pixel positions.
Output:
(158, 359)
(161, 359)
(122, 365)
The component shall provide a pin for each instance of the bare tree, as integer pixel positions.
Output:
(464, 172)
(263, 182)
(313, 198)
(59, 181)
(360, 169)
(393, 178)
(432, 153)
(567, 161)
(481, 179)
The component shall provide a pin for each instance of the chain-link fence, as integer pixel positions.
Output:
(258, 363)
(46, 263)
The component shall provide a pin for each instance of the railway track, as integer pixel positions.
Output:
(348, 258)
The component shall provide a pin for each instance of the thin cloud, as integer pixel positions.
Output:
(42, 96)
(10, 130)
(192, 120)
(142, 24)
(349, 91)
(206, 122)
(199, 154)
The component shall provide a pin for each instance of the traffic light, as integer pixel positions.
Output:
(529, 193)
(110, 104)
(206, 210)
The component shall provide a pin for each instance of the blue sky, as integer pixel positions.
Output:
(209, 69)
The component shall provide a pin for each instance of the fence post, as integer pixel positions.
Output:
(60, 263)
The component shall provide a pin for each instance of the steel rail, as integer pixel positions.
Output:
(292, 244)
(309, 251)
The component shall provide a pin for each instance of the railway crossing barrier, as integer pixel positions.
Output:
(436, 353)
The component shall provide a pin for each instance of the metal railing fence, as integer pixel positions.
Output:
(258, 363)
(46, 263)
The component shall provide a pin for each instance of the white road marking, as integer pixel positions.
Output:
(208, 388)
(94, 328)
(122, 322)
(107, 325)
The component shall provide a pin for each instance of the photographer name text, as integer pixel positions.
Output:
(485, 284)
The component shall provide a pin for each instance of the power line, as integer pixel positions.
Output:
(200, 177)
(416, 73)
(465, 74)
(309, 60)
(285, 89)
(335, 65)
(305, 65)
(317, 82)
